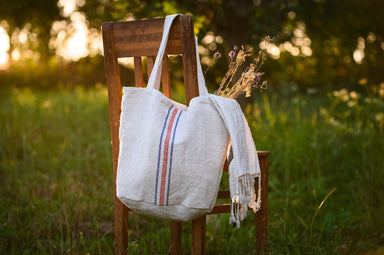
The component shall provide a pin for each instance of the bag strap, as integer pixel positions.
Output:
(154, 79)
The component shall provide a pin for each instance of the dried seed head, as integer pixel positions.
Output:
(240, 56)
(231, 54)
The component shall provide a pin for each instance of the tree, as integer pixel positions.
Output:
(38, 13)
(337, 30)
(238, 22)
(334, 28)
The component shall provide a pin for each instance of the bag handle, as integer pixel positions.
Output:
(154, 79)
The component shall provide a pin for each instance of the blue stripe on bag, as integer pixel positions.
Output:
(159, 156)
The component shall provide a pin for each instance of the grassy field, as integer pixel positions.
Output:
(325, 176)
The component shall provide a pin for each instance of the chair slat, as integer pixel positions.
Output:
(150, 63)
(148, 49)
(143, 37)
(223, 194)
(138, 69)
(166, 81)
(223, 208)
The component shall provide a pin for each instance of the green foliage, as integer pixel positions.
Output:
(38, 13)
(56, 176)
(86, 72)
(98, 11)
(55, 172)
(318, 146)
(239, 22)
(334, 28)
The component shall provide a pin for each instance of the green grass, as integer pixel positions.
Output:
(325, 177)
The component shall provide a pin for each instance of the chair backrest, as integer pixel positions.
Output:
(139, 39)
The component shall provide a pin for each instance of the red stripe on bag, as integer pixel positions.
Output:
(165, 157)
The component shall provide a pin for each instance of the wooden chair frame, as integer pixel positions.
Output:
(142, 38)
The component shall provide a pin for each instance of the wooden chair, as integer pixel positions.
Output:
(139, 39)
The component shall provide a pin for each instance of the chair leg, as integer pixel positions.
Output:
(175, 237)
(198, 236)
(121, 228)
(261, 217)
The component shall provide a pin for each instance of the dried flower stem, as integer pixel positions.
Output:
(249, 79)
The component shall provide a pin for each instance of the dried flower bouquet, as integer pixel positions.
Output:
(250, 78)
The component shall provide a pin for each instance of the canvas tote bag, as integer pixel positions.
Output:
(171, 156)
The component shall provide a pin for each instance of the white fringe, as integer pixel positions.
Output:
(244, 198)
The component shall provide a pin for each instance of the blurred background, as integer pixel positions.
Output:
(316, 45)
(322, 117)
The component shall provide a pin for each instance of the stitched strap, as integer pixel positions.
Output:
(154, 79)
